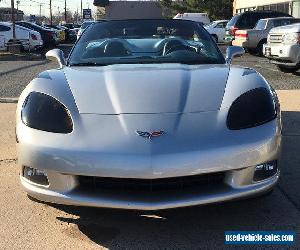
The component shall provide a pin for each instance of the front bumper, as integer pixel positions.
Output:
(236, 186)
(115, 151)
(282, 54)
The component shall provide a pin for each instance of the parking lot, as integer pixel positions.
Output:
(31, 225)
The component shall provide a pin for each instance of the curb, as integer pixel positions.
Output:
(9, 100)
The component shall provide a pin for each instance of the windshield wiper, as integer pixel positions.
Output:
(88, 64)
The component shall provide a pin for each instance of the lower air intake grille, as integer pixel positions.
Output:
(127, 184)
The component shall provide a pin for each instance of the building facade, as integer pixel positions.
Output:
(291, 7)
(5, 14)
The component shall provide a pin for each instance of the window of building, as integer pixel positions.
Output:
(281, 7)
(273, 7)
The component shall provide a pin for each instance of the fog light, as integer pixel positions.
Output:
(265, 170)
(35, 175)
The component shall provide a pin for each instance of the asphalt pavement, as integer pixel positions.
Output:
(26, 224)
(15, 75)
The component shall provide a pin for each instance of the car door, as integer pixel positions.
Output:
(6, 33)
(23, 35)
(220, 30)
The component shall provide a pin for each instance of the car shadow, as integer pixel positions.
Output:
(201, 226)
(24, 56)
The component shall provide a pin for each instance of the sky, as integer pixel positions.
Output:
(33, 6)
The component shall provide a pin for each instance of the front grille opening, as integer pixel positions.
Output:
(142, 185)
(275, 38)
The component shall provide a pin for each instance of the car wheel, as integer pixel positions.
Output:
(252, 51)
(260, 46)
(287, 69)
(215, 38)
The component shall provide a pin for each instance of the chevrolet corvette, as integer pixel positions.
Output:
(148, 115)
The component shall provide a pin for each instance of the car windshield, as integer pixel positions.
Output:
(233, 20)
(209, 24)
(39, 27)
(85, 25)
(260, 25)
(145, 41)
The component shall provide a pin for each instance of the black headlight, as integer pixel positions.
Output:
(251, 109)
(43, 112)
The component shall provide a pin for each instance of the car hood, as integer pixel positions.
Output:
(147, 89)
(286, 29)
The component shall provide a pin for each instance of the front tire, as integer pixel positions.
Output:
(252, 52)
(259, 48)
(287, 69)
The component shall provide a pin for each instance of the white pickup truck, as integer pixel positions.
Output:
(283, 47)
(253, 39)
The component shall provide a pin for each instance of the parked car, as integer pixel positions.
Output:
(217, 30)
(283, 47)
(71, 34)
(29, 39)
(254, 39)
(72, 26)
(61, 34)
(2, 42)
(49, 36)
(83, 26)
(196, 17)
(154, 119)
(248, 20)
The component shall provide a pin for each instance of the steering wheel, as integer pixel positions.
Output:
(116, 49)
(173, 45)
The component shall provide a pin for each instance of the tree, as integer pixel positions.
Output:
(216, 9)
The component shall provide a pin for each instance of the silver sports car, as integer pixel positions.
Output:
(147, 114)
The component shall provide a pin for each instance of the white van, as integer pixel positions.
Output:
(196, 17)
(29, 39)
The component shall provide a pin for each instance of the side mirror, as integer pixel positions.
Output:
(56, 55)
(233, 51)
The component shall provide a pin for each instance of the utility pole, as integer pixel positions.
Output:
(77, 14)
(50, 12)
(18, 2)
(13, 18)
(81, 11)
(66, 11)
(40, 10)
